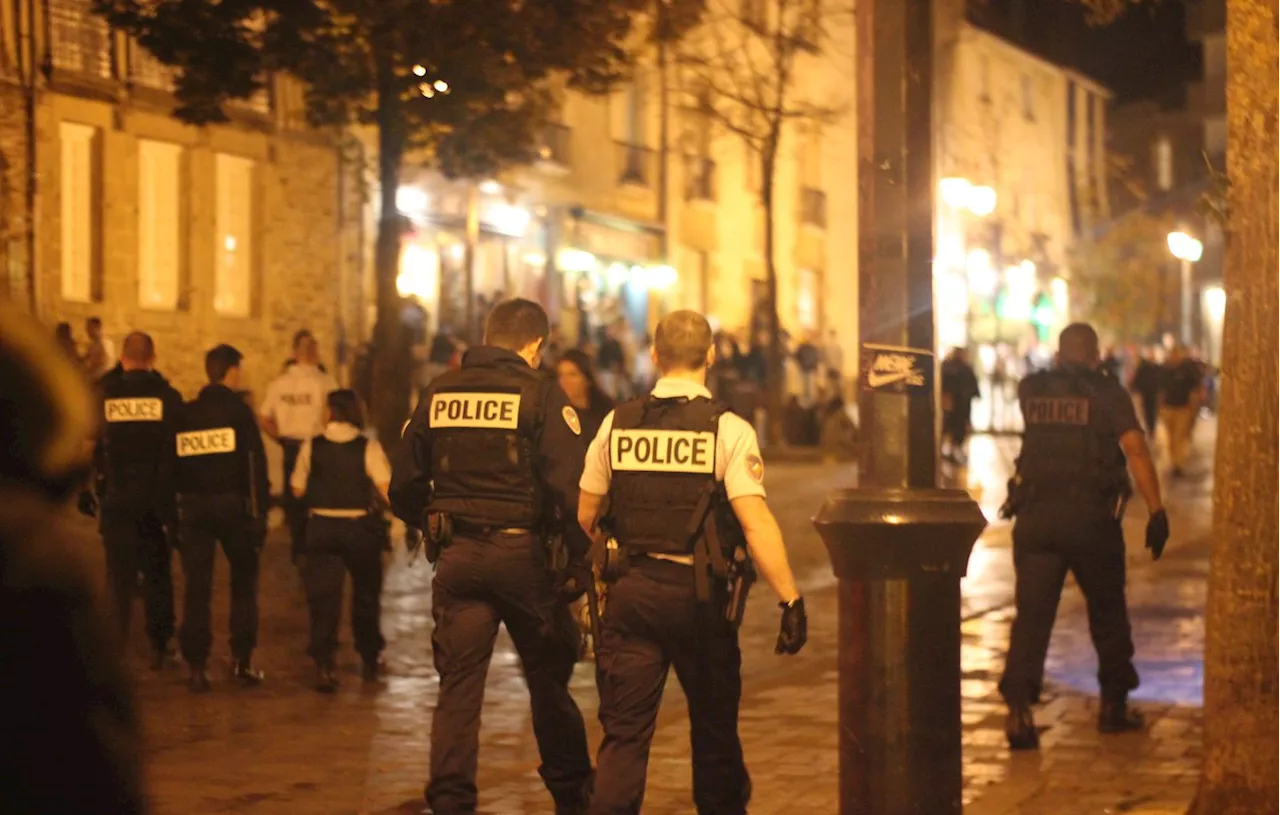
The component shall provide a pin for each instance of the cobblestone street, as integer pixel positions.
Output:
(285, 749)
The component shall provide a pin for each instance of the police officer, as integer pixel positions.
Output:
(134, 460)
(343, 478)
(494, 450)
(680, 473)
(1069, 495)
(222, 497)
(292, 413)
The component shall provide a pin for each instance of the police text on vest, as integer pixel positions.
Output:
(207, 442)
(662, 451)
(1072, 410)
(140, 409)
(497, 411)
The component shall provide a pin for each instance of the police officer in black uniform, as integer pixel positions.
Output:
(133, 462)
(686, 525)
(1069, 494)
(494, 450)
(222, 497)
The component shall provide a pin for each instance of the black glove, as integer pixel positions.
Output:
(1157, 533)
(795, 627)
(574, 580)
(258, 530)
(87, 503)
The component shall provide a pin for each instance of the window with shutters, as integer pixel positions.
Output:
(80, 41)
(80, 172)
(159, 224)
(233, 236)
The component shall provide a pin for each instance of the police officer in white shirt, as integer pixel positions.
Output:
(343, 478)
(680, 473)
(293, 412)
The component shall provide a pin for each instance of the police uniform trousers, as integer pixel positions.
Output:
(134, 539)
(652, 621)
(336, 547)
(1050, 539)
(481, 581)
(295, 508)
(204, 522)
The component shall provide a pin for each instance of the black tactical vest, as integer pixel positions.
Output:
(212, 456)
(484, 424)
(662, 453)
(136, 440)
(338, 479)
(1068, 447)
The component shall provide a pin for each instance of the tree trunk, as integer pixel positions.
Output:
(775, 376)
(1240, 740)
(391, 364)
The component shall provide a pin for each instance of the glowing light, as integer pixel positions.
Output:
(955, 192)
(490, 187)
(427, 90)
(575, 260)
(229, 243)
(662, 276)
(441, 86)
(411, 200)
(982, 201)
(457, 251)
(616, 275)
(419, 70)
(1215, 302)
(1185, 247)
(535, 259)
(982, 275)
(509, 220)
(419, 272)
(1021, 280)
(950, 252)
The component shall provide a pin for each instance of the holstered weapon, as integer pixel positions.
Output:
(742, 576)
(595, 607)
(413, 538)
(438, 533)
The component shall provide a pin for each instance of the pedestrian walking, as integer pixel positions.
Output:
(134, 459)
(70, 740)
(578, 382)
(959, 389)
(343, 478)
(489, 461)
(808, 360)
(1181, 388)
(292, 412)
(680, 473)
(100, 351)
(1146, 383)
(1069, 497)
(222, 498)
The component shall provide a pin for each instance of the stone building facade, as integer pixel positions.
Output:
(226, 233)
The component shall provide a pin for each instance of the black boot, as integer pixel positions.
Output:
(1115, 715)
(1020, 727)
(199, 681)
(326, 681)
(372, 670)
(246, 673)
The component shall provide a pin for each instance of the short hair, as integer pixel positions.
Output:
(220, 360)
(300, 335)
(95, 322)
(514, 323)
(1078, 344)
(344, 406)
(682, 340)
(138, 347)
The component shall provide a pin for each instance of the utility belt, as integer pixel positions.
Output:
(1023, 493)
(439, 529)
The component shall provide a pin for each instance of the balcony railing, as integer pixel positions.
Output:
(553, 144)
(813, 207)
(700, 179)
(80, 41)
(637, 165)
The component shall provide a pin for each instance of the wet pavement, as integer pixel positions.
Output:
(283, 748)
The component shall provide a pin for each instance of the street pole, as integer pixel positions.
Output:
(1186, 301)
(898, 545)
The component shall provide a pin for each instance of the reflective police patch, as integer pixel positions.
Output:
(1068, 410)
(497, 411)
(571, 419)
(140, 409)
(662, 451)
(755, 466)
(207, 442)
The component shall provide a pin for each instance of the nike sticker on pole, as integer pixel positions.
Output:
(890, 369)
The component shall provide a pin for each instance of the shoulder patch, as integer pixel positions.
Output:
(755, 466)
(571, 419)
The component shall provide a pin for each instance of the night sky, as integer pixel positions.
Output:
(1143, 54)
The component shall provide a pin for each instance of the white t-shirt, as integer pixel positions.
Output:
(376, 466)
(295, 400)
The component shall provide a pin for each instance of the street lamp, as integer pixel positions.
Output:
(1188, 250)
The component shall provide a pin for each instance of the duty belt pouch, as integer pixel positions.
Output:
(438, 533)
(614, 562)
